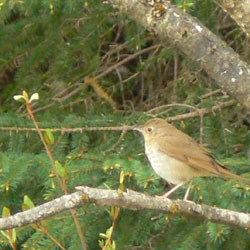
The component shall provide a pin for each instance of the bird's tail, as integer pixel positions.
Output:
(228, 174)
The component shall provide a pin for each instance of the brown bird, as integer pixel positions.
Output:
(177, 158)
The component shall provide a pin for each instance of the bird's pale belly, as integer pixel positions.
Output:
(168, 168)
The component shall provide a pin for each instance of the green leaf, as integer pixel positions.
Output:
(49, 137)
(6, 212)
(27, 203)
(5, 235)
(61, 170)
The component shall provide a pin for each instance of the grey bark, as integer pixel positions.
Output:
(195, 40)
(239, 10)
(129, 200)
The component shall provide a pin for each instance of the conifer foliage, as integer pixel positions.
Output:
(94, 67)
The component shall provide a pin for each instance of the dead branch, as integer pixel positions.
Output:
(197, 113)
(67, 130)
(201, 112)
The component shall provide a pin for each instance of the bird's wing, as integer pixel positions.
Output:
(196, 156)
(185, 149)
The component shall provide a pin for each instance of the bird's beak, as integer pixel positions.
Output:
(137, 128)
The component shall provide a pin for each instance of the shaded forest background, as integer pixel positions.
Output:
(93, 66)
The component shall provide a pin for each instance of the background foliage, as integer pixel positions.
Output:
(51, 47)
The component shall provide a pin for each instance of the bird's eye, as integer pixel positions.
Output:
(150, 129)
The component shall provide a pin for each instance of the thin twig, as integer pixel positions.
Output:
(189, 115)
(143, 51)
(67, 130)
(76, 87)
(211, 93)
(202, 111)
(60, 180)
(45, 231)
(117, 143)
(156, 109)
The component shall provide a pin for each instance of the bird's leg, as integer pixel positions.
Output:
(172, 190)
(188, 189)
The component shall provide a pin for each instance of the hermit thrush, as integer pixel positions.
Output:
(176, 157)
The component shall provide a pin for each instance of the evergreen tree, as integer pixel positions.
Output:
(95, 67)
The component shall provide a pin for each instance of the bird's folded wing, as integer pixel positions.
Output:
(191, 153)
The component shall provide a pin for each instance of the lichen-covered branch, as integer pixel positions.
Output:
(129, 200)
(196, 41)
(239, 10)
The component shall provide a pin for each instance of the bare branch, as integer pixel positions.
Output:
(68, 130)
(129, 200)
(127, 59)
(198, 112)
(201, 112)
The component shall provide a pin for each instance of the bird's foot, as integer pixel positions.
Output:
(171, 191)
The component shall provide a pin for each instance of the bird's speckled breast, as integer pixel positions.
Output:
(168, 168)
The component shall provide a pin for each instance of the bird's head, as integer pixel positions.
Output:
(152, 128)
